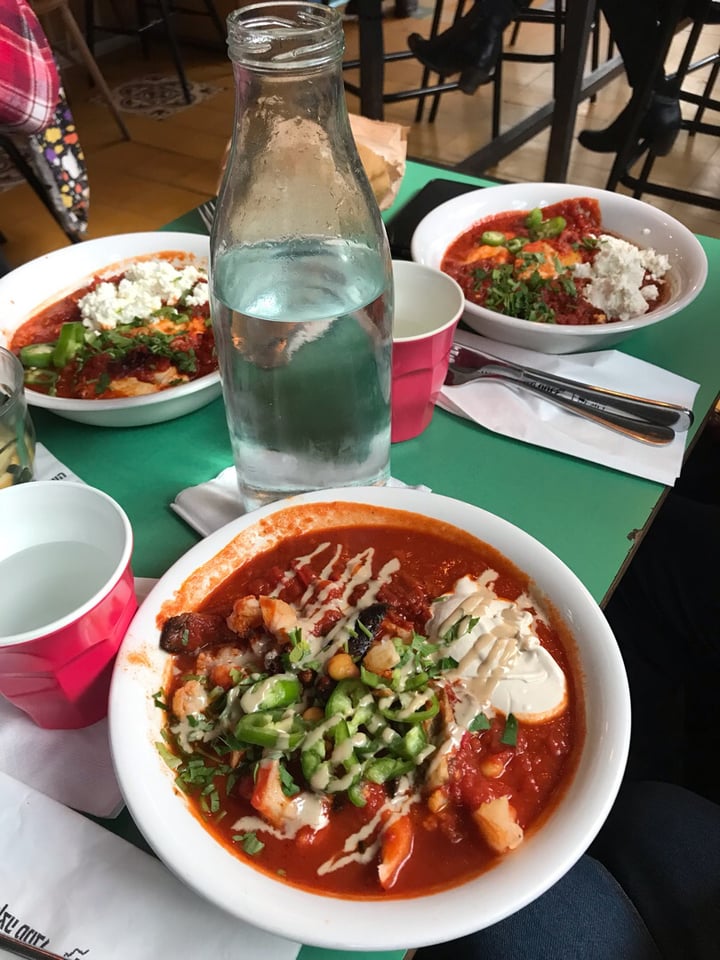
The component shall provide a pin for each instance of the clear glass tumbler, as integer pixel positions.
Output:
(17, 435)
(301, 275)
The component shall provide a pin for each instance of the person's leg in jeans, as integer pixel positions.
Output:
(650, 891)
(662, 844)
(584, 916)
(665, 615)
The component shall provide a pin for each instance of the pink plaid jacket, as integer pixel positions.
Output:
(29, 80)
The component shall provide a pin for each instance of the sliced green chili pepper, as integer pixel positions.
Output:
(356, 794)
(41, 378)
(71, 339)
(271, 693)
(351, 700)
(551, 228)
(387, 768)
(341, 733)
(311, 757)
(493, 238)
(37, 354)
(534, 219)
(412, 744)
(515, 244)
(270, 730)
(398, 714)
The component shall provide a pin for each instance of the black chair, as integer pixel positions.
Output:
(632, 154)
(414, 93)
(151, 15)
(552, 14)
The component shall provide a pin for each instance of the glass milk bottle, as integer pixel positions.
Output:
(301, 276)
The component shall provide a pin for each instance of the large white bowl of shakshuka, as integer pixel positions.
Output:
(559, 267)
(370, 718)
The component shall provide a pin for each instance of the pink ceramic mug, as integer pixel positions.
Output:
(67, 598)
(428, 305)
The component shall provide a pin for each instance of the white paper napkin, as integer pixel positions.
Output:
(523, 416)
(210, 505)
(77, 890)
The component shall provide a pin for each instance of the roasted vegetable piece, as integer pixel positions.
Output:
(397, 845)
(189, 632)
(366, 628)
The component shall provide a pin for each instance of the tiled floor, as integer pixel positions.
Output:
(172, 165)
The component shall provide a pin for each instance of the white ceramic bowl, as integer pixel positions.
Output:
(634, 220)
(190, 851)
(25, 290)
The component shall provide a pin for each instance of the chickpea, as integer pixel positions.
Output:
(313, 713)
(493, 767)
(437, 800)
(341, 667)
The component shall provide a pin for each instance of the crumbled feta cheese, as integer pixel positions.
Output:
(145, 287)
(616, 277)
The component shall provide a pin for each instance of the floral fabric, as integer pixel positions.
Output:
(57, 158)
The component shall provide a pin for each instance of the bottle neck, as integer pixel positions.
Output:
(285, 37)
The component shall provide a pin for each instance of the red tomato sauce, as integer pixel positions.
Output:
(84, 380)
(447, 847)
(472, 263)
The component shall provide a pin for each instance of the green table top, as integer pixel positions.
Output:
(584, 513)
(587, 514)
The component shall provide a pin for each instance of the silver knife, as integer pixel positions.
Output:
(600, 400)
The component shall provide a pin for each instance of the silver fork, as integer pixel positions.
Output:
(207, 213)
(636, 422)
(658, 412)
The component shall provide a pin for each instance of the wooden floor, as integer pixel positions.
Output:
(172, 165)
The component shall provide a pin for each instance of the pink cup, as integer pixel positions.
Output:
(428, 305)
(67, 598)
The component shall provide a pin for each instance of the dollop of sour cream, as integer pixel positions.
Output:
(501, 664)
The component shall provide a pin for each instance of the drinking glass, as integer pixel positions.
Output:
(17, 435)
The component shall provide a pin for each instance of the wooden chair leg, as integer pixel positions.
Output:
(79, 42)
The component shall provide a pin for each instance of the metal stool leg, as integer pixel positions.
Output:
(174, 49)
(437, 14)
(215, 17)
(436, 97)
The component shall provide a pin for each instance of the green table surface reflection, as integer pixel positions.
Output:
(590, 516)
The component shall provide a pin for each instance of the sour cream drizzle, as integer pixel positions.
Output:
(391, 810)
(501, 666)
(336, 593)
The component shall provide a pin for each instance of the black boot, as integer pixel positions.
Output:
(484, 50)
(659, 127)
(472, 45)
